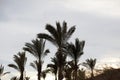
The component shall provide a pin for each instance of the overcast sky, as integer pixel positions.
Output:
(97, 22)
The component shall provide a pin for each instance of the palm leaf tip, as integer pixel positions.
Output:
(70, 32)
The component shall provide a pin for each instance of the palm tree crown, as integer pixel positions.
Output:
(58, 36)
(20, 61)
(37, 49)
(75, 51)
(90, 63)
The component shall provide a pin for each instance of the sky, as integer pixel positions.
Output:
(97, 22)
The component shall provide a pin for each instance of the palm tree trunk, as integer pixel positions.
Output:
(75, 74)
(92, 75)
(55, 77)
(75, 77)
(21, 76)
(39, 74)
(39, 69)
(60, 76)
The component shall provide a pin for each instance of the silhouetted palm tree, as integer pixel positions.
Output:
(75, 52)
(81, 74)
(59, 37)
(54, 66)
(90, 63)
(20, 61)
(68, 68)
(2, 73)
(37, 49)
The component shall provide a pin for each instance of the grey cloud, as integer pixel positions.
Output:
(20, 21)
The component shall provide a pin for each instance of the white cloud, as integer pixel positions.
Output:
(100, 7)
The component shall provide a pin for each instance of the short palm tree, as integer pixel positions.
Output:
(20, 61)
(54, 66)
(59, 37)
(75, 52)
(37, 49)
(90, 63)
(68, 68)
(2, 73)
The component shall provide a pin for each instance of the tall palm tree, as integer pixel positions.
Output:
(59, 37)
(37, 49)
(2, 73)
(90, 63)
(75, 52)
(20, 61)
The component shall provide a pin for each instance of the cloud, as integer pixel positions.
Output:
(99, 7)
(97, 22)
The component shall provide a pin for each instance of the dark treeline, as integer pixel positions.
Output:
(59, 66)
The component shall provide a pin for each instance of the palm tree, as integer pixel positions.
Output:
(20, 61)
(81, 74)
(53, 66)
(2, 73)
(75, 52)
(59, 37)
(37, 49)
(68, 68)
(90, 63)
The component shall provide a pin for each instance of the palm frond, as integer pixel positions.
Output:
(34, 65)
(64, 28)
(59, 32)
(6, 73)
(70, 32)
(30, 48)
(47, 37)
(52, 31)
(14, 66)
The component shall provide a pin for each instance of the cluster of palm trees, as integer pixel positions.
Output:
(59, 65)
